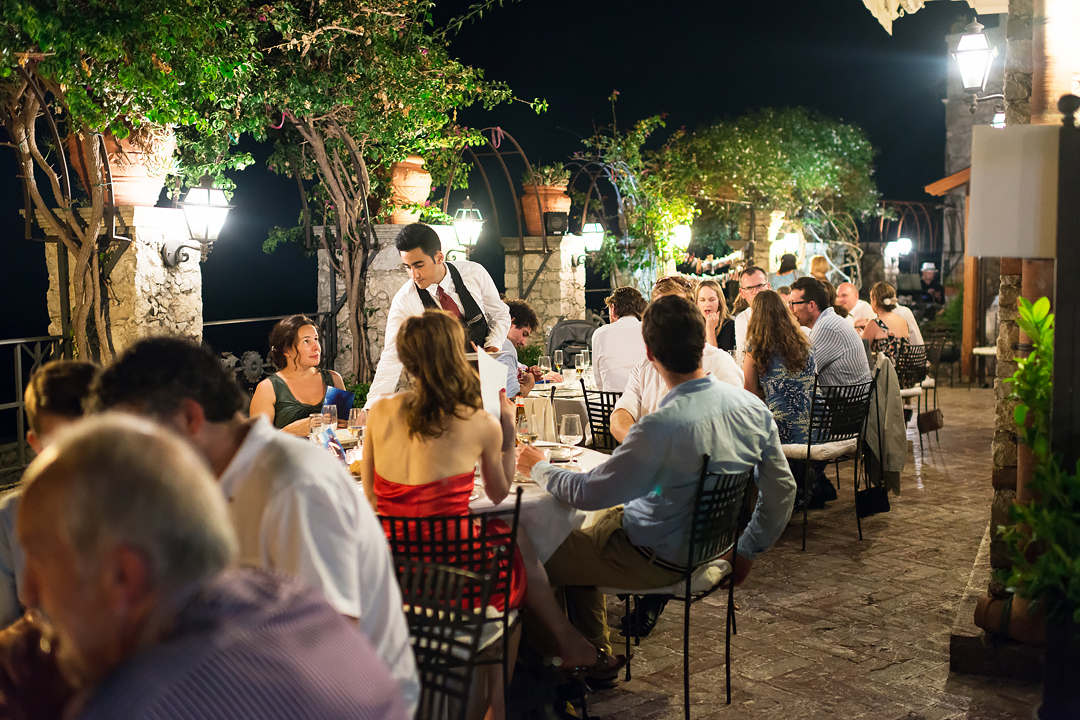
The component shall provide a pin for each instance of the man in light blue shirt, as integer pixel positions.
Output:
(654, 474)
(523, 323)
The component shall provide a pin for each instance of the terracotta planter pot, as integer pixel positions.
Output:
(553, 198)
(412, 185)
(138, 171)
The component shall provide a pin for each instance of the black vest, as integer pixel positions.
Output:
(476, 326)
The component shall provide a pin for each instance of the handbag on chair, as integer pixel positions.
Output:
(930, 421)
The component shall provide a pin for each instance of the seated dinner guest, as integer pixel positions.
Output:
(421, 448)
(462, 288)
(752, 280)
(719, 326)
(646, 489)
(888, 332)
(847, 296)
(129, 555)
(779, 367)
(53, 400)
(838, 349)
(787, 273)
(617, 347)
(819, 267)
(523, 323)
(289, 396)
(646, 387)
(295, 508)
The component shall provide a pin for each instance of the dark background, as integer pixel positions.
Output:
(696, 61)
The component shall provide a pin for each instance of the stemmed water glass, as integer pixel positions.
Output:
(315, 425)
(329, 415)
(570, 430)
(544, 363)
(357, 420)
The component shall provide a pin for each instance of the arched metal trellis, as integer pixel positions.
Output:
(494, 137)
(920, 221)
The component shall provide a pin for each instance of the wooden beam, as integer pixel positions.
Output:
(971, 303)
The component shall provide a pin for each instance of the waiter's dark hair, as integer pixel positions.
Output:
(431, 348)
(418, 235)
(626, 301)
(58, 388)
(283, 337)
(674, 332)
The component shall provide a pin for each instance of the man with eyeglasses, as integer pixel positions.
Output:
(838, 350)
(752, 280)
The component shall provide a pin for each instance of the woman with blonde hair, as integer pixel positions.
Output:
(719, 326)
(779, 366)
(889, 331)
(421, 448)
(819, 267)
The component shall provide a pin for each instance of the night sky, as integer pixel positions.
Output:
(696, 61)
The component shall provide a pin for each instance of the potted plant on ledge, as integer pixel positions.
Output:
(1044, 537)
(544, 191)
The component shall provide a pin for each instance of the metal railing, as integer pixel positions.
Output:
(29, 354)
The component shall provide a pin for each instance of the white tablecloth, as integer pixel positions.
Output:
(546, 520)
(568, 400)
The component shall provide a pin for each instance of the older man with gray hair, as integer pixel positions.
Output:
(128, 552)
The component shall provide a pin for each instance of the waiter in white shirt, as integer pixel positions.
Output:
(617, 348)
(463, 289)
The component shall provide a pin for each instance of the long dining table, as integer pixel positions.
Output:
(546, 520)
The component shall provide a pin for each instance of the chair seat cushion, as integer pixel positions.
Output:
(705, 578)
(492, 629)
(929, 382)
(821, 451)
(911, 392)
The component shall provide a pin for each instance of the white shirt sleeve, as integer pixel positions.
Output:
(631, 397)
(388, 371)
(495, 310)
(722, 366)
(598, 357)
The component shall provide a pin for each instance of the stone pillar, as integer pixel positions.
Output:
(766, 226)
(385, 277)
(1018, 63)
(146, 298)
(1003, 446)
(559, 290)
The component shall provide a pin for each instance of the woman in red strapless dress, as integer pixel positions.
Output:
(421, 448)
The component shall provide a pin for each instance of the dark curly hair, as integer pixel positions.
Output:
(59, 388)
(626, 301)
(522, 315)
(283, 337)
(154, 375)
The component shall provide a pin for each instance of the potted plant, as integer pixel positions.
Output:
(544, 191)
(411, 185)
(1044, 537)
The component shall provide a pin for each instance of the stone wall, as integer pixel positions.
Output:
(1018, 62)
(559, 290)
(1003, 447)
(147, 298)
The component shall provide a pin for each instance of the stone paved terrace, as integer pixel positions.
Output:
(847, 629)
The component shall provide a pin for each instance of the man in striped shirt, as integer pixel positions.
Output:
(130, 559)
(838, 349)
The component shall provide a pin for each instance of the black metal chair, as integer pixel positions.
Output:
(599, 404)
(910, 365)
(444, 608)
(467, 542)
(835, 433)
(719, 505)
(934, 350)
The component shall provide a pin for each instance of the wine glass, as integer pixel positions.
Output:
(558, 361)
(586, 359)
(525, 431)
(544, 363)
(315, 425)
(570, 429)
(329, 414)
(579, 364)
(357, 420)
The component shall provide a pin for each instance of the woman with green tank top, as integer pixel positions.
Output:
(298, 387)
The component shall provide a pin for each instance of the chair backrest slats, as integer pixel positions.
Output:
(599, 404)
(718, 507)
(911, 365)
(838, 412)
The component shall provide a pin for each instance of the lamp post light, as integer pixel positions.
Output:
(205, 210)
(975, 56)
(593, 233)
(680, 238)
(468, 222)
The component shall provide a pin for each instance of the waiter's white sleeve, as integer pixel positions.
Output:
(388, 371)
(495, 310)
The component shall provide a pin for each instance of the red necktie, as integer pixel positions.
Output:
(447, 302)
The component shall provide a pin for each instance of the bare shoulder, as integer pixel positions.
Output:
(338, 381)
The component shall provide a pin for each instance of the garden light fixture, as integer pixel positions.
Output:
(593, 234)
(468, 222)
(205, 209)
(974, 56)
(680, 237)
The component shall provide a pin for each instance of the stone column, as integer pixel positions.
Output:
(1003, 447)
(146, 298)
(1018, 63)
(385, 277)
(559, 290)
